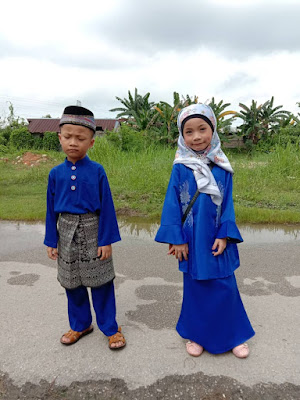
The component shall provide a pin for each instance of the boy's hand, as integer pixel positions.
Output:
(220, 245)
(52, 253)
(105, 252)
(180, 251)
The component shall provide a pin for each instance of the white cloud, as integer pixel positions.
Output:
(54, 53)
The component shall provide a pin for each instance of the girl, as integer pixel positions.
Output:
(212, 315)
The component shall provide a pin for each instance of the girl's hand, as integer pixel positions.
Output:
(220, 245)
(104, 252)
(52, 253)
(180, 251)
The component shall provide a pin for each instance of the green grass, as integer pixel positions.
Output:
(266, 186)
(23, 188)
(138, 179)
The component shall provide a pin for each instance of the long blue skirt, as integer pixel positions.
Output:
(213, 314)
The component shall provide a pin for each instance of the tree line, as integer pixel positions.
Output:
(259, 121)
(145, 122)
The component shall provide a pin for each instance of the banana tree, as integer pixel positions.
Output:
(261, 121)
(251, 128)
(138, 110)
(272, 117)
(188, 100)
(167, 119)
(220, 112)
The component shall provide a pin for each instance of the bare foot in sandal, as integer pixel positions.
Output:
(72, 337)
(117, 341)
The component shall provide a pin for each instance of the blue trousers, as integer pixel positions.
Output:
(104, 304)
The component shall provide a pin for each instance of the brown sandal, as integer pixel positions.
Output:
(117, 337)
(74, 336)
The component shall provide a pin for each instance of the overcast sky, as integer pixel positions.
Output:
(53, 53)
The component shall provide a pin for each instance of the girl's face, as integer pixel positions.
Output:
(197, 134)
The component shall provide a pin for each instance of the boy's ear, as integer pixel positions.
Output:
(92, 142)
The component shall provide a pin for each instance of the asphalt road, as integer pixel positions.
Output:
(154, 364)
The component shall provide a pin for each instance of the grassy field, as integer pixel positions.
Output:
(266, 186)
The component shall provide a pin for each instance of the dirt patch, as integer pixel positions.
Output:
(31, 159)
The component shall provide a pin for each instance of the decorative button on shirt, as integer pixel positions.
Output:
(73, 167)
(73, 187)
(73, 177)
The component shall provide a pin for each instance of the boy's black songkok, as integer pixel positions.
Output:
(77, 115)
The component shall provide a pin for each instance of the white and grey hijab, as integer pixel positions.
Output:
(199, 162)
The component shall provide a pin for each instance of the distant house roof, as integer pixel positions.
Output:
(42, 125)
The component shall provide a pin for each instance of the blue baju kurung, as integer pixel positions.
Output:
(212, 311)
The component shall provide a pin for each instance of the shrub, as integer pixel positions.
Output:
(289, 134)
(21, 138)
(38, 143)
(127, 139)
(6, 132)
(51, 141)
(3, 140)
(3, 149)
(286, 136)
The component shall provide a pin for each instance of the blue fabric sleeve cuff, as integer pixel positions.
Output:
(50, 244)
(111, 240)
(171, 234)
(230, 231)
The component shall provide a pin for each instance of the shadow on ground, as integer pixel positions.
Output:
(197, 386)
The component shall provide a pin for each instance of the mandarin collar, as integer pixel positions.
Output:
(78, 163)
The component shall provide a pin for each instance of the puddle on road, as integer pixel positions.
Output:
(250, 233)
(7, 227)
(137, 227)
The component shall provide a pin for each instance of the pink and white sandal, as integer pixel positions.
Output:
(194, 349)
(241, 351)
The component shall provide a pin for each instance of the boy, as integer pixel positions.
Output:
(79, 201)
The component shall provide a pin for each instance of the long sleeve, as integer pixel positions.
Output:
(108, 232)
(228, 228)
(171, 230)
(51, 237)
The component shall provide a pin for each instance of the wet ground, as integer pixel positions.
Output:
(34, 365)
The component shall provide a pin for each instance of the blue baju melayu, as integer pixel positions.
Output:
(80, 188)
(212, 313)
(79, 196)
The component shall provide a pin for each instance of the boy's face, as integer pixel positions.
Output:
(75, 141)
(197, 134)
